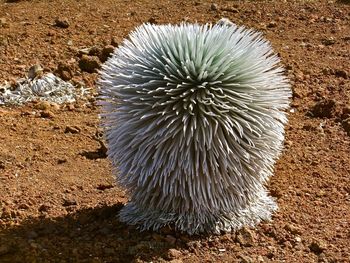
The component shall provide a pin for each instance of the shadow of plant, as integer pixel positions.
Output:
(88, 235)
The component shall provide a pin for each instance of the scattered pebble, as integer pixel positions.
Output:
(65, 71)
(23, 206)
(346, 125)
(114, 42)
(272, 24)
(69, 202)
(346, 112)
(42, 105)
(341, 73)
(89, 64)
(107, 52)
(328, 41)
(292, 229)
(35, 71)
(214, 7)
(245, 237)
(95, 51)
(103, 187)
(62, 160)
(62, 22)
(47, 114)
(44, 208)
(3, 22)
(152, 20)
(72, 129)
(230, 9)
(324, 108)
(318, 246)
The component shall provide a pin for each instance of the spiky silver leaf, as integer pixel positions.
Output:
(194, 119)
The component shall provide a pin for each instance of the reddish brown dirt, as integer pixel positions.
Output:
(58, 199)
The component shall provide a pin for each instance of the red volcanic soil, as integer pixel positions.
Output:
(58, 197)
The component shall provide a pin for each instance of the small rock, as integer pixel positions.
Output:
(214, 7)
(230, 9)
(173, 253)
(89, 64)
(4, 41)
(65, 71)
(47, 114)
(346, 125)
(260, 259)
(193, 245)
(103, 187)
(62, 22)
(345, 113)
(62, 160)
(23, 206)
(245, 237)
(3, 22)
(318, 246)
(328, 41)
(42, 105)
(297, 239)
(72, 129)
(324, 108)
(114, 42)
(35, 71)
(70, 107)
(341, 73)
(44, 208)
(224, 22)
(54, 106)
(272, 24)
(292, 229)
(170, 239)
(95, 51)
(152, 20)
(69, 202)
(107, 52)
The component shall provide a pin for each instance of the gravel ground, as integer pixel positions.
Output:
(58, 197)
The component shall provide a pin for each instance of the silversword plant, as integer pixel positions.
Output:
(194, 119)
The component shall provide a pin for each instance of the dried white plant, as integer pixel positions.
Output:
(194, 118)
(46, 88)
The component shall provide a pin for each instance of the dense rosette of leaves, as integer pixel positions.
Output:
(194, 118)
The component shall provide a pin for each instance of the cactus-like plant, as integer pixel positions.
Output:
(194, 118)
